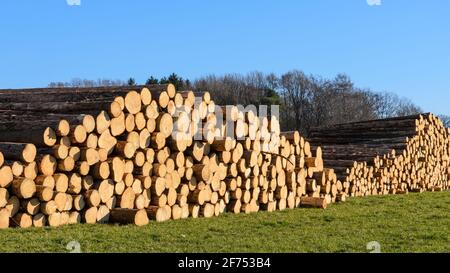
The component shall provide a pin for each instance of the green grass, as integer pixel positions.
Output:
(407, 223)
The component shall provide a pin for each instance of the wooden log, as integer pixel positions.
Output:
(78, 134)
(39, 220)
(74, 218)
(19, 151)
(159, 201)
(164, 124)
(22, 220)
(60, 201)
(89, 216)
(44, 194)
(75, 184)
(82, 167)
(157, 213)
(133, 102)
(18, 169)
(313, 202)
(6, 176)
(74, 152)
(78, 202)
(4, 197)
(48, 208)
(201, 172)
(103, 214)
(125, 149)
(101, 170)
(107, 141)
(61, 182)
(47, 164)
(66, 165)
(92, 198)
(41, 137)
(23, 187)
(90, 155)
(207, 210)
(105, 189)
(31, 206)
(129, 216)
(54, 220)
(126, 200)
(102, 122)
(77, 94)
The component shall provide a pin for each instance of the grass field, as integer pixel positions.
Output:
(408, 223)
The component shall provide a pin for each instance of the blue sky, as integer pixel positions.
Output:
(401, 46)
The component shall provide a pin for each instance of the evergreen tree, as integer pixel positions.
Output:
(187, 84)
(131, 82)
(152, 80)
(175, 80)
(163, 80)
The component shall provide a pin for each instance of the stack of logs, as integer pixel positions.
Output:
(388, 156)
(152, 154)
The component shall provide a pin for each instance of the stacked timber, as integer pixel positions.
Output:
(388, 156)
(25, 113)
(134, 154)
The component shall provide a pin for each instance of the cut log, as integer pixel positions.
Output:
(105, 189)
(31, 206)
(19, 151)
(103, 214)
(90, 215)
(60, 201)
(40, 137)
(22, 220)
(47, 164)
(126, 200)
(61, 182)
(23, 187)
(133, 102)
(92, 198)
(4, 197)
(313, 202)
(78, 134)
(44, 194)
(102, 122)
(48, 208)
(156, 213)
(39, 220)
(66, 165)
(125, 149)
(78, 202)
(6, 176)
(164, 124)
(101, 170)
(90, 155)
(129, 216)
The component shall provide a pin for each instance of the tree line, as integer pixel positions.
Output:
(305, 101)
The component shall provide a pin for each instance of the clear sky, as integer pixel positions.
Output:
(401, 46)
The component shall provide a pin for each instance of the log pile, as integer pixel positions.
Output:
(388, 156)
(134, 154)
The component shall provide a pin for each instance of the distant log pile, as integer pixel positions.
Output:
(134, 154)
(389, 156)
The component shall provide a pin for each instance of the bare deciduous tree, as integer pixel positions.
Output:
(305, 101)
(78, 82)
